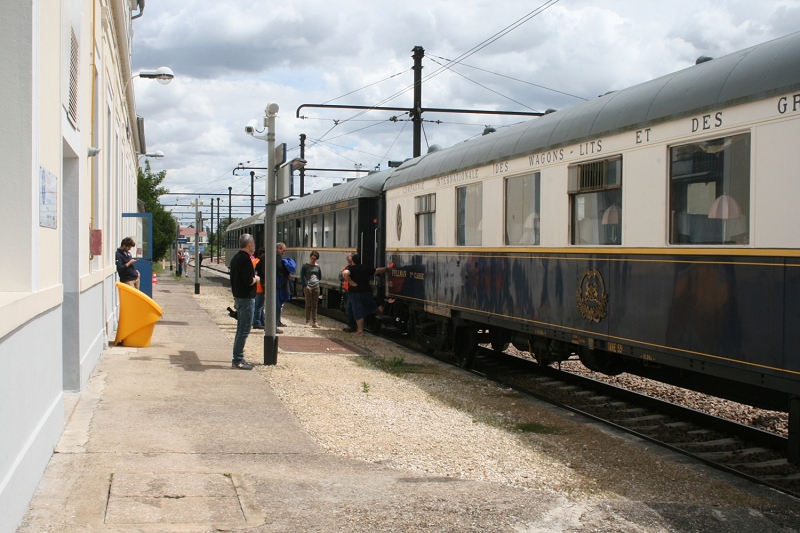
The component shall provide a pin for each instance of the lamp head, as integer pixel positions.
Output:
(164, 75)
(158, 154)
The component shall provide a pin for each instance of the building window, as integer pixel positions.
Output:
(343, 228)
(469, 215)
(595, 191)
(710, 191)
(522, 209)
(425, 214)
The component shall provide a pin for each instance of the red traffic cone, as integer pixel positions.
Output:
(155, 281)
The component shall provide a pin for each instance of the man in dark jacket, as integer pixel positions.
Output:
(127, 272)
(243, 286)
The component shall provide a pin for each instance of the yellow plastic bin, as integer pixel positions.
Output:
(138, 314)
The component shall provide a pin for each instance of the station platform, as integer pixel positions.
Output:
(170, 438)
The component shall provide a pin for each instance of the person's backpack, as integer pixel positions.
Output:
(290, 265)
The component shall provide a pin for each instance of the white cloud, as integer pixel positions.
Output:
(231, 58)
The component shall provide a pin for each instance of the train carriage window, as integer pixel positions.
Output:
(314, 231)
(298, 233)
(710, 191)
(595, 190)
(327, 230)
(306, 231)
(343, 228)
(469, 215)
(354, 228)
(285, 232)
(425, 215)
(522, 209)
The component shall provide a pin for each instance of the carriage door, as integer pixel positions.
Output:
(143, 253)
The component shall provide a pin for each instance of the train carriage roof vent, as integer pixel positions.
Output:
(488, 129)
(434, 148)
(549, 110)
(702, 59)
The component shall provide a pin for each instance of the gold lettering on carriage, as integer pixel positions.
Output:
(414, 187)
(467, 175)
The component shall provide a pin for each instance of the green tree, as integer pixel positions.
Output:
(149, 190)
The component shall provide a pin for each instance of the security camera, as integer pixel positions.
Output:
(250, 129)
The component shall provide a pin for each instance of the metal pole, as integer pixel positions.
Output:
(229, 204)
(196, 247)
(177, 238)
(211, 233)
(252, 194)
(219, 231)
(416, 115)
(270, 243)
(302, 169)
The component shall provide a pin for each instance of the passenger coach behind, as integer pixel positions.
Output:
(653, 230)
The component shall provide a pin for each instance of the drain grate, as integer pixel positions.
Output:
(172, 323)
(313, 345)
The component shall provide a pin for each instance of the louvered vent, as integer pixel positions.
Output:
(72, 108)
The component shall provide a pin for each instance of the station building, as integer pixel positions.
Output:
(69, 141)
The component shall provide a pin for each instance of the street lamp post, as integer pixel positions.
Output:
(197, 222)
(219, 231)
(270, 243)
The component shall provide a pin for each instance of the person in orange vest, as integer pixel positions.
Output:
(258, 265)
(348, 308)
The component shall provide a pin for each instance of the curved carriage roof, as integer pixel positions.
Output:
(369, 186)
(753, 74)
(255, 219)
(365, 187)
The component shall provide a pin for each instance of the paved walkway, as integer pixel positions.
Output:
(171, 438)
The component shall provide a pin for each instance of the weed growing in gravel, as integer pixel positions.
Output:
(365, 387)
(535, 427)
(394, 365)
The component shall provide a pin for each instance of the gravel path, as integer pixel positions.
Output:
(394, 407)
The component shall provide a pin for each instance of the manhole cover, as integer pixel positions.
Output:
(172, 498)
(313, 345)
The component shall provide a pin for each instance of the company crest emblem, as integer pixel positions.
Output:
(592, 297)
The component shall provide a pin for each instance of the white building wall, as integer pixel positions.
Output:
(58, 305)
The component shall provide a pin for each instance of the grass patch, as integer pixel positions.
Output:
(535, 427)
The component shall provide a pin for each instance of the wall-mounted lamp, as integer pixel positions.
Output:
(164, 75)
(92, 151)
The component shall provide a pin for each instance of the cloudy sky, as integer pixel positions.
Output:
(231, 58)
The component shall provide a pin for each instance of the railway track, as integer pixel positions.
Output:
(753, 454)
(756, 455)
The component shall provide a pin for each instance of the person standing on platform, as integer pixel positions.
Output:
(258, 315)
(243, 285)
(282, 293)
(127, 272)
(310, 275)
(348, 309)
(199, 264)
(186, 263)
(180, 263)
(360, 292)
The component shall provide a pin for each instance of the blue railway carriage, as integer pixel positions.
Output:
(334, 222)
(253, 225)
(653, 230)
